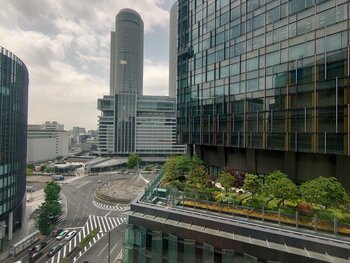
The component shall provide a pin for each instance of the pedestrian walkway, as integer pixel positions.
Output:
(104, 224)
(109, 207)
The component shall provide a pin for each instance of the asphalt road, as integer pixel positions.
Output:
(84, 214)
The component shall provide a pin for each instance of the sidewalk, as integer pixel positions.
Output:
(36, 198)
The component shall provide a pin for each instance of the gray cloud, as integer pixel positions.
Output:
(65, 45)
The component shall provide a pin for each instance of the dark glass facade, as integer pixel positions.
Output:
(261, 77)
(13, 135)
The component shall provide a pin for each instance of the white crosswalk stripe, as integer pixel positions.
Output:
(103, 223)
(109, 207)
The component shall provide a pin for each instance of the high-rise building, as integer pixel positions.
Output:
(156, 127)
(129, 121)
(173, 50)
(13, 134)
(264, 85)
(126, 68)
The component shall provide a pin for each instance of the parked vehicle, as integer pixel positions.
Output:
(57, 177)
(70, 235)
(62, 234)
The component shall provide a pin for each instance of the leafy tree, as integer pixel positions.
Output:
(280, 186)
(49, 170)
(52, 191)
(31, 166)
(326, 191)
(133, 160)
(60, 157)
(196, 161)
(226, 180)
(198, 177)
(149, 167)
(238, 175)
(176, 167)
(29, 172)
(42, 220)
(42, 167)
(252, 184)
(50, 210)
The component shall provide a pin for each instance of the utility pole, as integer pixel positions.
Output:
(109, 246)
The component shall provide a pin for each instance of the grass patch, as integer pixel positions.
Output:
(87, 239)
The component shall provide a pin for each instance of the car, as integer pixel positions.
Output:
(62, 234)
(70, 235)
(54, 250)
(35, 256)
(37, 248)
(56, 232)
(99, 181)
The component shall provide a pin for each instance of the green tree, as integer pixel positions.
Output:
(133, 160)
(196, 161)
(31, 166)
(280, 186)
(50, 210)
(252, 184)
(149, 167)
(198, 177)
(176, 167)
(42, 220)
(60, 157)
(42, 167)
(226, 180)
(29, 172)
(52, 191)
(326, 191)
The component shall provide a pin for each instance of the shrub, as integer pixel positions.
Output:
(86, 239)
(273, 204)
(304, 208)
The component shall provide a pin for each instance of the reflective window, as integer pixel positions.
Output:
(273, 15)
(305, 25)
(258, 21)
(326, 18)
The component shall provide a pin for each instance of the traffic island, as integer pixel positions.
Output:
(121, 190)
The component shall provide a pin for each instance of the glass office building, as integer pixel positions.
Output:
(264, 85)
(13, 140)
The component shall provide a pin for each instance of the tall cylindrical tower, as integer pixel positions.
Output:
(127, 54)
(13, 139)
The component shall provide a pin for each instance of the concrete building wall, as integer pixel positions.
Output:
(44, 145)
(173, 50)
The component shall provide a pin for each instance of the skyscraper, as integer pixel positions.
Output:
(173, 50)
(263, 85)
(131, 122)
(126, 71)
(13, 135)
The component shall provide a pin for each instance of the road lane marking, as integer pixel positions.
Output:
(95, 221)
(111, 221)
(107, 213)
(102, 250)
(114, 247)
(104, 226)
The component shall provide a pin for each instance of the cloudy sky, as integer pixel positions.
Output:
(65, 45)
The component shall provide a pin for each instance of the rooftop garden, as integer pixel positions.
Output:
(274, 197)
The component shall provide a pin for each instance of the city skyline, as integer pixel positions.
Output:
(66, 48)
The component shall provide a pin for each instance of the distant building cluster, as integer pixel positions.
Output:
(131, 122)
